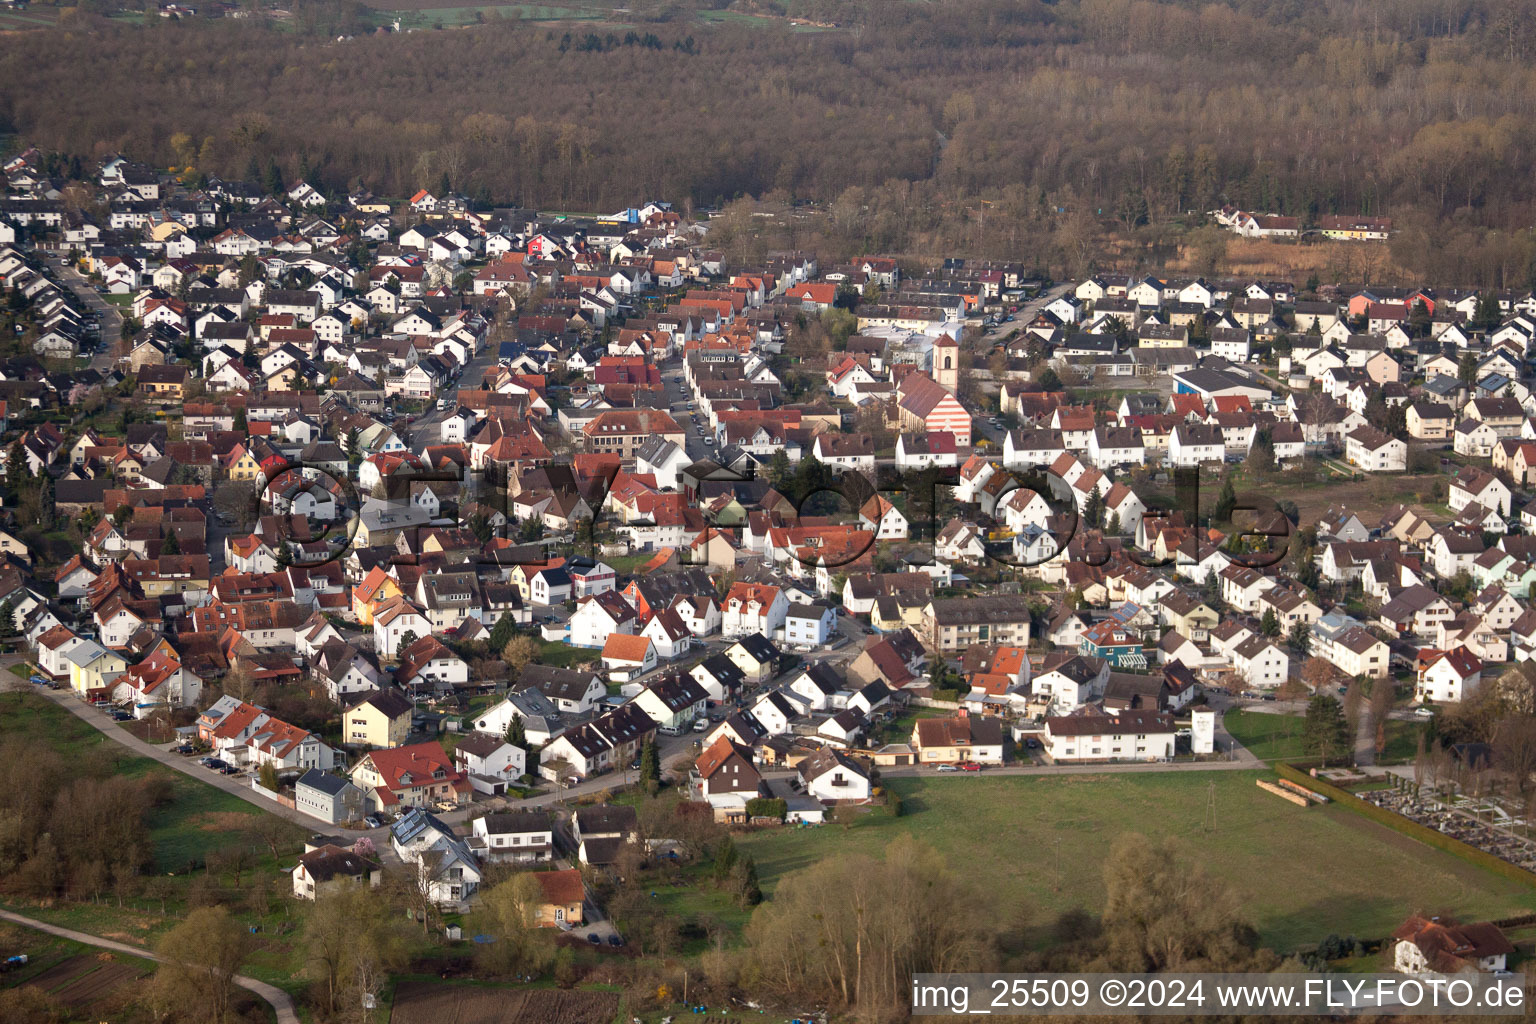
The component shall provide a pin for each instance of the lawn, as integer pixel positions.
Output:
(1037, 844)
(1278, 737)
(563, 655)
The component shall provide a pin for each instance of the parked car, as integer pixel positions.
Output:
(122, 716)
(947, 768)
(615, 941)
(1425, 712)
(970, 766)
(1032, 744)
(701, 725)
(372, 821)
(592, 938)
(229, 769)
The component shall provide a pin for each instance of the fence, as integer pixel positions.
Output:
(1407, 827)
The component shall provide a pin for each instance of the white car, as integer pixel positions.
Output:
(948, 768)
(1425, 712)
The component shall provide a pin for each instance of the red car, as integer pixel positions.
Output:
(970, 766)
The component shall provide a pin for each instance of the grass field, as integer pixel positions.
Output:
(1273, 737)
(1037, 844)
(197, 820)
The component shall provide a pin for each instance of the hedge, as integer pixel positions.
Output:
(1407, 826)
(767, 807)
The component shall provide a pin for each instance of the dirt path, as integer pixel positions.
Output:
(280, 1001)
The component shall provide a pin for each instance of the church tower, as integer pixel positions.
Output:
(946, 363)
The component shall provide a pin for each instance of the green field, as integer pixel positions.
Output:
(197, 820)
(1036, 845)
(1278, 737)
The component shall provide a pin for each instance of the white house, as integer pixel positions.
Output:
(1092, 735)
(809, 625)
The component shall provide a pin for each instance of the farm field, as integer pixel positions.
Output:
(430, 1002)
(1038, 844)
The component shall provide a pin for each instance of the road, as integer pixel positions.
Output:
(676, 389)
(425, 430)
(280, 1001)
(111, 318)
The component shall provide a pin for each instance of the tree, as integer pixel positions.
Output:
(1226, 502)
(1162, 912)
(1466, 370)
(650, 765)
(1093, 509)
(171, 545)
(725, 859)
(509, 913)
(503, 632)
(1269, 625)
(199, 960)
(1326, 732)
(268, 776)
(518, 653)
(1317, 673)
(1514, 751)
(1301, 637)
(517, 733)
(1048, 380)
(350, 941)
(1262, 456)
(745, 884)
(853, 930)
(408, 638)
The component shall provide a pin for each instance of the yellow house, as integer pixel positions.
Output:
(93, 667)
(381, 719)
(167, 229)
(243, 466)
(377, 587)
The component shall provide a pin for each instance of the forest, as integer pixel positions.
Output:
(988, 122)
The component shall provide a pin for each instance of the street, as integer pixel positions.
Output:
(111, 320)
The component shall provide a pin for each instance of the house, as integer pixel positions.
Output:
(753, 608)
(1447, 677)
(418, 775)
(1375, 452)
(755, 657)
(1439, 946)
(672, 703)
(809, 625)
(1090, 734)
(626, 656)
(490, 762)
(574, 691)
(600, 616)
(955, 623)
(328, 870)
(1473, 484)
(1261, 662)
(396, 624)
(331, 798)
(563, 896)
(833, 778)
(1116, 645)
(447, 871)
(517, 837)
(724, 777)
(883, 519)
(964, 737)
(381, 719)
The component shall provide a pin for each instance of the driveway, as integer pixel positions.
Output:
(280, 1001)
